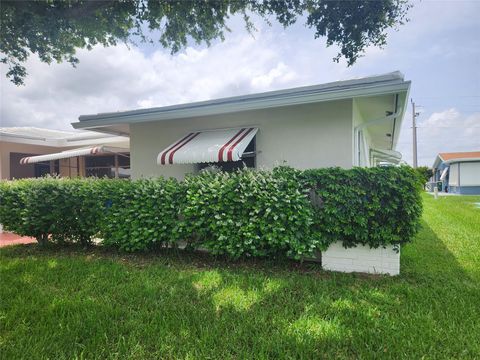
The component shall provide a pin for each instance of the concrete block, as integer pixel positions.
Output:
(361, 259)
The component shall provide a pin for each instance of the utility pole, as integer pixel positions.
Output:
(414, 131)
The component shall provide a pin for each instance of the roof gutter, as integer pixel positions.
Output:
(238, 104)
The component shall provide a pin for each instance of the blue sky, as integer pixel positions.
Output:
(438, 50)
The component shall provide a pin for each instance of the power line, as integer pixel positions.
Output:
(448, 127)
(448, 97)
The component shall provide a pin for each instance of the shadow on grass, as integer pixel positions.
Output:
(429, 258)
(67, 302)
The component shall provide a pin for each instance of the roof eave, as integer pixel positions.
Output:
(208, 109)
(398, 124)
(462, 160)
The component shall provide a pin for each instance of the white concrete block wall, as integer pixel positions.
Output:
(361, 259)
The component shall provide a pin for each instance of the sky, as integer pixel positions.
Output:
(438, 50)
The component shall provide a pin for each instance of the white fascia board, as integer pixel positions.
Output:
(461, 160)
(209, 108)
(59, 143)
(437, 162)
(17, 139)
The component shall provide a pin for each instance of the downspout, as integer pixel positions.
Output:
(360, 127)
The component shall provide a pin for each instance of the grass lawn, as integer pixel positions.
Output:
(71, 303)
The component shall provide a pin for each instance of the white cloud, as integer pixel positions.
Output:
(438, 50)
(444, 131)
(118, 78)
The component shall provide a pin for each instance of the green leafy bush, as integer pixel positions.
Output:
(369, 206)
(142, 214)
(247, 212)
(52, 209)
(244, 213)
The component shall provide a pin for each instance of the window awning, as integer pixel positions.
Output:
(71, 153)
(208, 146)
(444, 174)
(390, 156)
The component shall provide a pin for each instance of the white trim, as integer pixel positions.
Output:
(382, 85)
(461, 160)
(360, 127)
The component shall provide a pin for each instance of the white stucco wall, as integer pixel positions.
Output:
(304, 136)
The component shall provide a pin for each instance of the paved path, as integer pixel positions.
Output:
(7, 238)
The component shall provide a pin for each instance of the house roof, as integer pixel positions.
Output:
(460, 155)
(390, 83)
(456, 157)
(55, 138)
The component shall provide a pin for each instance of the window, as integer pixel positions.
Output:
(106, 165)
(248, 160)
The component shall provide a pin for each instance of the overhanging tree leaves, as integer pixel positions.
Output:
(54, 29)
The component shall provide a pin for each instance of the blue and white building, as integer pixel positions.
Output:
(459, 172)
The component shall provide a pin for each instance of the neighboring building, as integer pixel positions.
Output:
(345, 123)
(459, 172)
(27, 152)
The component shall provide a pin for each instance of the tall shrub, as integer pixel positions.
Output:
(247, 212)
(142, 214)
(369, 206)
(244, 213)
(52, 209)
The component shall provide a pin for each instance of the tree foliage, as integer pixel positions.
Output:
(54, 29)
(424, 173)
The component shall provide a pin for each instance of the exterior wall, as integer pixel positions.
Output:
(304, 136)
(365, 139)
(470, 173)
(6, 148)
(464, 178)
(465, 190)
(453, 176)
(361, 259)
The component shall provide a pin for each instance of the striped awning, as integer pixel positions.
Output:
(71, 153)
(208, 146)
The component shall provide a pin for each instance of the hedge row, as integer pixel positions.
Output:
(244, 213)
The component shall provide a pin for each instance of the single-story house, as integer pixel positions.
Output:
(345, 123)
(27, 152)
(459, 172)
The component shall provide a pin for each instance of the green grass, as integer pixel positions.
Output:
(71, 303)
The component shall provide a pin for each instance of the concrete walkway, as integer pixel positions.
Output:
(7, 238)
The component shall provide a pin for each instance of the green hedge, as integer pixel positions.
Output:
(53, 209)
(368, 206)
(142, 214)
(255, 213)
(245, 213)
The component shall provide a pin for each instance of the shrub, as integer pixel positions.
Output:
(244, 213)
(369, 206)
(142, 214)
(247, 212)
(424, 173)
(51, 209)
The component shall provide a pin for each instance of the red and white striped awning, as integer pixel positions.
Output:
(71, 153)
(208, 146)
